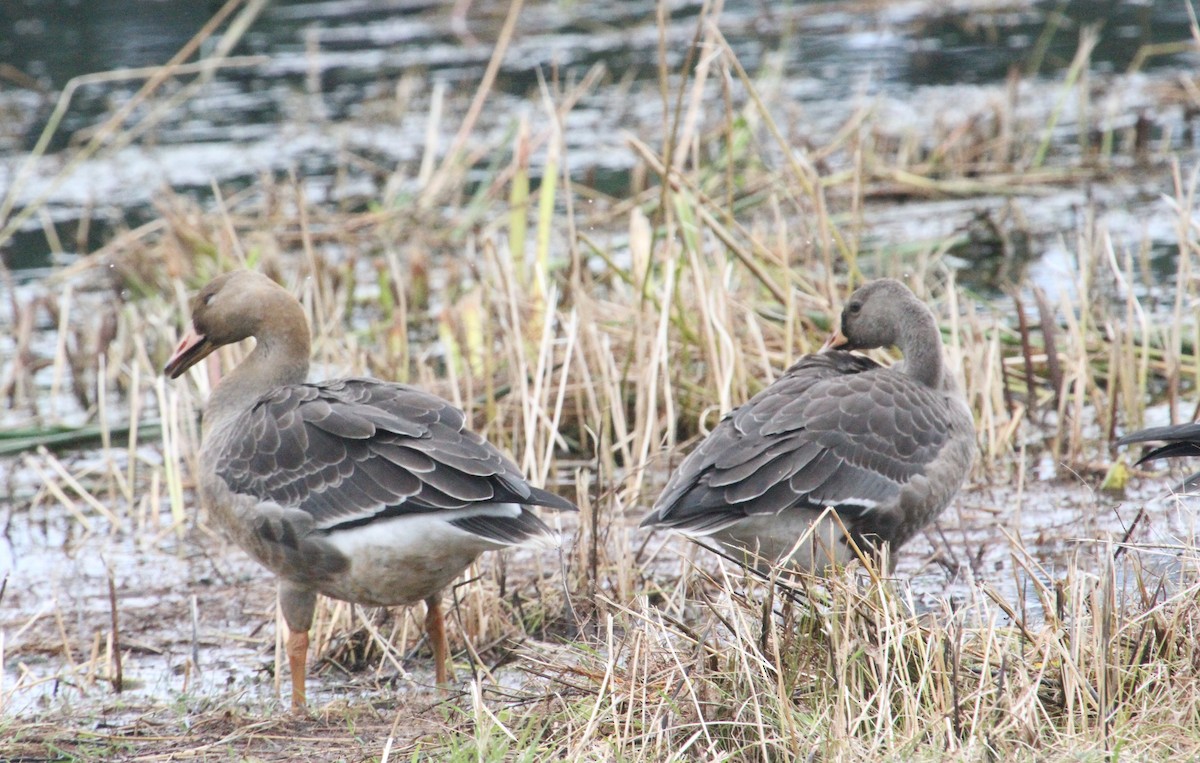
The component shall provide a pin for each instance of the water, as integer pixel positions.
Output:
(324, 92)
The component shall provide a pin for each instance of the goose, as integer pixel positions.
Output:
(358, 489)
(838, 441)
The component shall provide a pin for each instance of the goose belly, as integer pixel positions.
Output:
(808, 540)
(401, 560)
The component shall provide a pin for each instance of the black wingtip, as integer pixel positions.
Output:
(1179, 434)
(1181, 441)
(524, 528)
(1172, 450)
(651, 520)
(539, 497)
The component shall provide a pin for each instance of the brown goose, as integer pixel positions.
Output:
(359, 489)
(885, 448)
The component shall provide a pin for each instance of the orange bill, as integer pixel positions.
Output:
(192, 349)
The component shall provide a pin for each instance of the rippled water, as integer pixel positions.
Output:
(343, 86)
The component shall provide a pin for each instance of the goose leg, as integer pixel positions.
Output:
(435, 627)
(298, 604)
(297, 652)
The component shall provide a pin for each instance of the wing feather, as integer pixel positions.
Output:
(836, 430)
(351, 451)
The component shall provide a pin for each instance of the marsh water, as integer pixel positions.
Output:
(339, 94)
(318, 87)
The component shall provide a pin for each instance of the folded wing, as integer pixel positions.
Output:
(353, 451)
(823, 435)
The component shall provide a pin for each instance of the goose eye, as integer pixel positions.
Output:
(854, 308)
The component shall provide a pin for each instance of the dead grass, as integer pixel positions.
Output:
(595, 343)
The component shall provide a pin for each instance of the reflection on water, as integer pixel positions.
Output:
(329, 82)
(55, 40)
(912, 44)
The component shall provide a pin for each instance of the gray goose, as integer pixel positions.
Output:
(884, 448)
(362, 490)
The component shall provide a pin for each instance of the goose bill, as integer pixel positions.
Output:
(192, 349)
(836, 339)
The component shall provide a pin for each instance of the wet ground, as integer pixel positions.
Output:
(196, 618)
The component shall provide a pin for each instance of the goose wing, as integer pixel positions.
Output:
(836, 430)
(353, 451)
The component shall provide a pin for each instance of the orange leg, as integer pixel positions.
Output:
(297, 651)
(435, 627)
